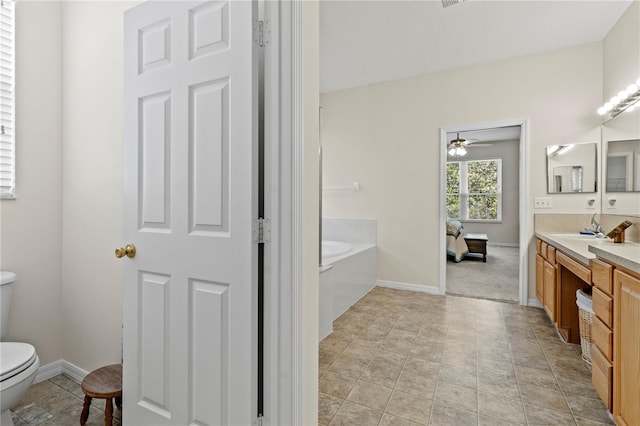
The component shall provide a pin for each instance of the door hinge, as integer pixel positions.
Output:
(262, 32)
(261, 230)
(261, 421)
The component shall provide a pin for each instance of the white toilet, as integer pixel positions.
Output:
(18, 361)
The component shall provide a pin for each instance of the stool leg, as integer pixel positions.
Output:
(119, 401)
(85, 410)
(108, 412)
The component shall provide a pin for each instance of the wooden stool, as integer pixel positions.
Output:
(104, 383)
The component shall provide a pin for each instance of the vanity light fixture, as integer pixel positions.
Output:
(625, 99)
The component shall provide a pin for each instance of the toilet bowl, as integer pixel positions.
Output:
(19, 362)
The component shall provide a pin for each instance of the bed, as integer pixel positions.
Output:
(456, 245)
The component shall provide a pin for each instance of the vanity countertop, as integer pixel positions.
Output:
(584, 248)
(625, 254)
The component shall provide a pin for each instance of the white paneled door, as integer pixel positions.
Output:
(190, 185)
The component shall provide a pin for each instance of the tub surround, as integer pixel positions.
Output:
(346, 277)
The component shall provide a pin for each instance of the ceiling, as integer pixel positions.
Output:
(364, 42)
(498, 134)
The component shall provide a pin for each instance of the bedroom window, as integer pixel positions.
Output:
(474, 190)
(7, 96)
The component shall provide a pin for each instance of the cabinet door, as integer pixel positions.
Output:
(549, 288)
(540, 278)
(626, 393)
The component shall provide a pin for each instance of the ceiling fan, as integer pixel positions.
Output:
(458, 146)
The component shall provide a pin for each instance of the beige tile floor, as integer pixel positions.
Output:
(58, 402)
(405, 358)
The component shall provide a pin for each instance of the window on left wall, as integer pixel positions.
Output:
(7, 100)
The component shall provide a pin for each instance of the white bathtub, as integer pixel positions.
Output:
(334, 248)
(348, 272)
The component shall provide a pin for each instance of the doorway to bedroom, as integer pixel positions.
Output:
(482, 202)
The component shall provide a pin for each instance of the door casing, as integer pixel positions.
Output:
(523, 275)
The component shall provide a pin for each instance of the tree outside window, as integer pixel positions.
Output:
(474, 190)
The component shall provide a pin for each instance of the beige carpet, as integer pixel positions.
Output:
(497, 279)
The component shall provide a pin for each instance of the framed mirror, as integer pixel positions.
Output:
(572, 168)
(623, 166)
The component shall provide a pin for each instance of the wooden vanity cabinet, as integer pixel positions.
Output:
(550, 290)
(571, 277)
(602, 330)
(546, 288)
(626, 332)
(540, 278)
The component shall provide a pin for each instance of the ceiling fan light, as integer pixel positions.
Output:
(632, 88)
(602, 111)
(452, 152)
(615, 100)
(461, 151)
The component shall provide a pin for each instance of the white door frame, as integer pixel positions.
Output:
(523, 205)
(283, 380)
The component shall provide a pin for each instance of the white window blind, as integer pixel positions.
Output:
(7, 97)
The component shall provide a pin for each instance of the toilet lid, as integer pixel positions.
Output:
(15, 357)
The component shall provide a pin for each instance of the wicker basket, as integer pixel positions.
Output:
(585, 316)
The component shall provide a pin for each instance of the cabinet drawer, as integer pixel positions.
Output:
(551, 254)
(578, 269)
(603, 307)
(543, 249)
(539, 245)
(602, 276)
(601, 374)
(602, 337)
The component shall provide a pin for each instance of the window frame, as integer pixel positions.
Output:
(463, 190)
(7, 101)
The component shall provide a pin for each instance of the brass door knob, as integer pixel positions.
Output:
(129, 250)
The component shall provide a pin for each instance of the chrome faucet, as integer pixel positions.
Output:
(595, 227)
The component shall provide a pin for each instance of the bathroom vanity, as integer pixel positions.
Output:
(611, 273)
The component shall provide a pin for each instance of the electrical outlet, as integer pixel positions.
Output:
(591, 203)
(542, 203)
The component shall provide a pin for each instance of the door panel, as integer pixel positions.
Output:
(190, 200)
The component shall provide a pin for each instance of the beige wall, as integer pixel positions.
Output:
(311, 206)
(31, 224)
(386, 136)
(92, 182)
(621, 52)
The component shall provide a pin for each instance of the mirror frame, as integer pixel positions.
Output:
(594, 171)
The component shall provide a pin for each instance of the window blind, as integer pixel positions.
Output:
(7, 97)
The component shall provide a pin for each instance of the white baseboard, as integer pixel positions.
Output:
(409, 287)
(46, 372)
(73, 371)
(534, 303)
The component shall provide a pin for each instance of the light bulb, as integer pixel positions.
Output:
(608, 106)
(614, 101)
(623, 95)
(602, 111)
(632, 88)
(452, 152)
(461, 151)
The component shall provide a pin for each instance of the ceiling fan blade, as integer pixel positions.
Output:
(479, 145)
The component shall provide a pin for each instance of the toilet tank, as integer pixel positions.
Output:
(6, 284)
